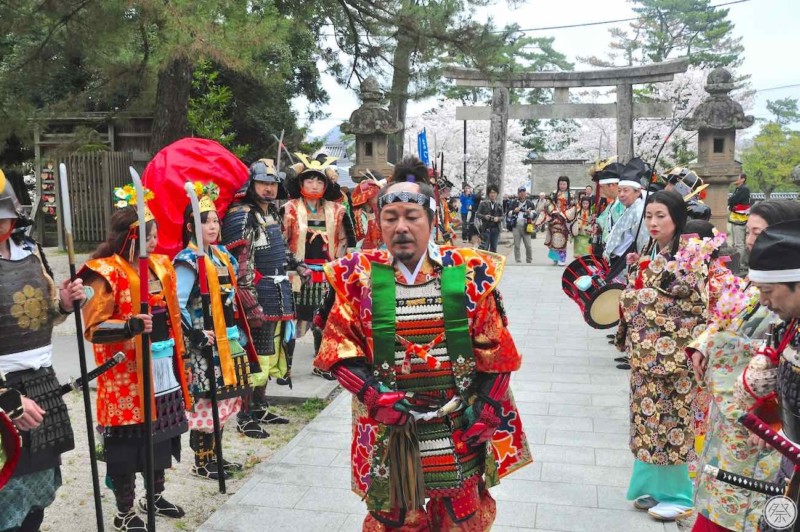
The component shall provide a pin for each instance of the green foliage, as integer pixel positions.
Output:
(313, 406)
(667, 29)
(209, 108)
(785, 110)
(71, 57)
(769, 161)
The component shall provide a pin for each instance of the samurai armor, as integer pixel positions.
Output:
(26, 297)
(42, 446)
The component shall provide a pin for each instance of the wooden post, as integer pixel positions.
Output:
(497, 138)
(624, 123)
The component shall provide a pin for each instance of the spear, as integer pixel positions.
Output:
(147, 382)
(207, 325)
(278, 157)
(66, 220)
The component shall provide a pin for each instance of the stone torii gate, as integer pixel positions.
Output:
(624, 110)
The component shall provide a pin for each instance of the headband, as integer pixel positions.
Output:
(407, 197)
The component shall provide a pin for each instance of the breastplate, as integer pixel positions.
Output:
(25, 321)
(420, 318)
(269, 253)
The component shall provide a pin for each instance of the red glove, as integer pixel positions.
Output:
(484, 415)
(385, 406)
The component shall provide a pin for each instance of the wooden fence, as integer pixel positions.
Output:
(92, 178)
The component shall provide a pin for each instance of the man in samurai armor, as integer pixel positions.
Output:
(418, 335)
(251, 231)
(314, 227)
(775, 271)
(30, 305)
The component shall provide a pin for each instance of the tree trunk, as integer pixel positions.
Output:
(398, 97)
(171, 120)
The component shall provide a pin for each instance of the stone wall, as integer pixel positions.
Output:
(544, 174)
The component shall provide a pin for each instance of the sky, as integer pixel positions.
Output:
(768, 29)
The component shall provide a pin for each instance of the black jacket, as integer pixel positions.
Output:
(488, 209)
(740, 196)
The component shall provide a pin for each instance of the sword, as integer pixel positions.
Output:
(775, 440)
(281, 146)
(147, 379)
(278, 157)
(759, 486)
(77, 384)
(66, 219)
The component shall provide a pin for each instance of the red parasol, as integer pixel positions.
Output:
(189, 159)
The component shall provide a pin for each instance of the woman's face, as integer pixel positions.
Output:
(755, 225)
(562, 186)
(152, 238)
(211, 228)
(659, 223)
(313, 185)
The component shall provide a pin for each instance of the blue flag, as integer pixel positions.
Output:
(422, 147)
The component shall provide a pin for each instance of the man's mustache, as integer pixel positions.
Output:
(402, 240)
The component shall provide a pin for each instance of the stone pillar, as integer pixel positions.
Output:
(716, 120)
(624, 123)
(497, 138)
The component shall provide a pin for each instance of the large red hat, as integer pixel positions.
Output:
(189, 159)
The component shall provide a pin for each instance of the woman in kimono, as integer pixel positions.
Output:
(558, 209)
(226, 338)
(582, 228)
(724, 357)
(112, 324)
(663, 307)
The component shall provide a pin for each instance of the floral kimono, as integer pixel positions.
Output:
(729, 346)
(663, 308)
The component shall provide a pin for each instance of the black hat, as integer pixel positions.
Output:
(637, 171)
(775, 257)
(609, 174)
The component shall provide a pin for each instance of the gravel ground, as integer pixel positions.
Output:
(74, 504)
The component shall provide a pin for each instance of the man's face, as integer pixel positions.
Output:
(541, 195)
(780, 299)
(588, 191)
(522, 195)
(739, 182)
(493, 195)
(627, 195)
(405, 227)
(265, 191)
(609, 190)
(467, 190)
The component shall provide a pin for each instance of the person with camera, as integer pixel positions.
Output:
(519, 220)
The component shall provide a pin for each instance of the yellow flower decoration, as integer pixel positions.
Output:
(126, 196)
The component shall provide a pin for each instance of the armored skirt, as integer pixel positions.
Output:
(115, 284)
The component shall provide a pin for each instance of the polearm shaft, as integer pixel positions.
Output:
(147, 380)
(66, 220)
(760, 486)
(208, 324)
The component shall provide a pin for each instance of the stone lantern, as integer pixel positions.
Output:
(716, 121)
(371, 124)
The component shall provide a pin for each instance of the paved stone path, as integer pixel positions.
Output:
(574, 406)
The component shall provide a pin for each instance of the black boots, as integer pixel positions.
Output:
(205, 463)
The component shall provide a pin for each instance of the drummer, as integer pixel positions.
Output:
(609, 208)
(621, 239)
